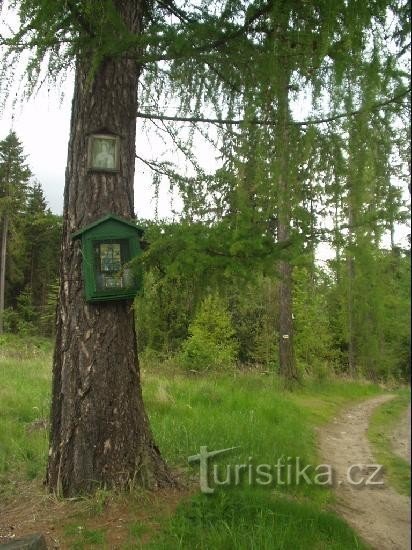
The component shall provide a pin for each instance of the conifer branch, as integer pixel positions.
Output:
(215, 44)
(152, 165)
(271, 122)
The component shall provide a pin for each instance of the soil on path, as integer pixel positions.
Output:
(378, 513)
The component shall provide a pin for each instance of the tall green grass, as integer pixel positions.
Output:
(24, 406)
(234, 520)
(248, 411)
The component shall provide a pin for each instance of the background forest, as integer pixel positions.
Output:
(210, 298)
(305, 111)
(29, 246)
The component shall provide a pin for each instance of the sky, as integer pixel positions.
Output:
(43, 123)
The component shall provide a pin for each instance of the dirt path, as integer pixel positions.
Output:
(379, 514)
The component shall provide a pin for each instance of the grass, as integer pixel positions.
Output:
(382, 424)
(25, 402)
(248, 411)
(253, 521)
(78, 537)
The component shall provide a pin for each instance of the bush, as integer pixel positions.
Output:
(211, 344)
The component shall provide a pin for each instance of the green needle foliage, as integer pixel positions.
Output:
(211, 344)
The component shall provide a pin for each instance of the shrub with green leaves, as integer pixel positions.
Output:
(212, 343)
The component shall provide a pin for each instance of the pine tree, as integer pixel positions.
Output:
(211, 344)
(41, 232)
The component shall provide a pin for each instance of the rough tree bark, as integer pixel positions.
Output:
(287, 362)
(99, 433)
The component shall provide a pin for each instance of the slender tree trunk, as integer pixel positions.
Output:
(351, 335)
(337, 238)
(287, 362)
(351, 280)
(3, 253)
(99, 434)
(311, 244)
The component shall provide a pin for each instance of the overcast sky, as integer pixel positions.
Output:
(42, 124)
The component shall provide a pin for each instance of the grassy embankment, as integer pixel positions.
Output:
(247, 411)
(381, 428)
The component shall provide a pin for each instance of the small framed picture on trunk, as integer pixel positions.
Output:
(103, 153)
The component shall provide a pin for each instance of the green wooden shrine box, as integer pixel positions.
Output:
(108, 244)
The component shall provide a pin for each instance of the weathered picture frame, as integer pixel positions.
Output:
(103, 153)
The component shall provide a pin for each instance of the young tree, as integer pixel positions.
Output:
(211, 344)
(14, 178)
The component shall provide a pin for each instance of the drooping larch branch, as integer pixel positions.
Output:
(270, 122)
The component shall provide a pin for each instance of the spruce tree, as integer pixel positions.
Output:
(14, 178)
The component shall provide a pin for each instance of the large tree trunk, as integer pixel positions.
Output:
(3, 254)
(99, 434)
